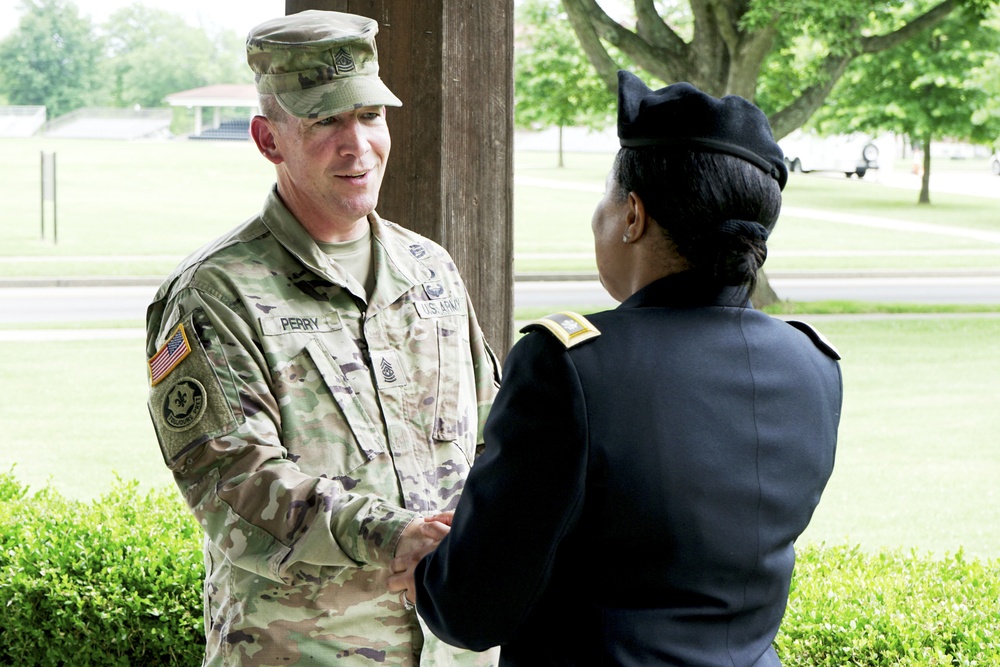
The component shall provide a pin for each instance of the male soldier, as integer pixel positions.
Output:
(318, 376)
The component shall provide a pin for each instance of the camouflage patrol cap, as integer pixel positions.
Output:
(318, 63)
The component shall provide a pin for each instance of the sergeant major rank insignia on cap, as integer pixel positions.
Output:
(569, 327)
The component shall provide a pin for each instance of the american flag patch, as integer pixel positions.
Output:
(168, 356)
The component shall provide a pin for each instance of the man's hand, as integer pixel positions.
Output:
(418, 539)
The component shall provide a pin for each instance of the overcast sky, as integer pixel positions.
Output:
(236, 15)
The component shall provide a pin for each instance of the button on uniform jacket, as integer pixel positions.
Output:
(640, 492)
(307, 425)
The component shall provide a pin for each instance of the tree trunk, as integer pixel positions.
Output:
(763, 294)
(925, 179)
(725, 54)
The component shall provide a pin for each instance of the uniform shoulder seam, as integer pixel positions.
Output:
(818, 339)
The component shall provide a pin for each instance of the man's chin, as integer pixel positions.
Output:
(358, 208)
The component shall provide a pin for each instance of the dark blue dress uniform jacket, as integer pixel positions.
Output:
(640, 493)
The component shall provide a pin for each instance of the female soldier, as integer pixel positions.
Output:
(648, 469)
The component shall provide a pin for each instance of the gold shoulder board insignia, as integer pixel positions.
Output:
(569, 327)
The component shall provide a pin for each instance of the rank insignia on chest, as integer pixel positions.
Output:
(388, 371)
(569, 327)
(169, 355)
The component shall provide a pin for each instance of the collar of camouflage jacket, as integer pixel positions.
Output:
(398, 265)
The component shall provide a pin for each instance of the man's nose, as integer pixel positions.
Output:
(354, 138)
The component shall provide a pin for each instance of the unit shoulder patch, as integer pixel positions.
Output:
(818, 339)
(570, 328)
(187, 402)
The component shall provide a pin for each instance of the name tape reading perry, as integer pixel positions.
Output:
(303, 323)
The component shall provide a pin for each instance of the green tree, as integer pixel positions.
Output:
(987, 79)
(52, 58)
(154, 53)
(928, 88)
(554, 84)
(734, 46)
(784, 55)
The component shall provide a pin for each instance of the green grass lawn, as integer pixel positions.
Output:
(129, 198)
(552, 222)
(74, 414)
(147, 204)
(916, 467)
(918, 461)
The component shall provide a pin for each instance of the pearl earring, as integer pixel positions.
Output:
(624, 238)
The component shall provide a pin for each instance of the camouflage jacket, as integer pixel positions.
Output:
(306, 427)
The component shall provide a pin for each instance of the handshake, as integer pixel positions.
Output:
(418, 539)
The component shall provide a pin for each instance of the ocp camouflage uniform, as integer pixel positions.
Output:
(307, 427)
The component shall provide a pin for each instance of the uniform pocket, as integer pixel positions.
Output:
(324, 426)
(365, 432)
(455, 416)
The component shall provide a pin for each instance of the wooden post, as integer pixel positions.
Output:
(450, 172)
(48, 190)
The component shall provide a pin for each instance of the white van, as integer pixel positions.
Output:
(850, 154)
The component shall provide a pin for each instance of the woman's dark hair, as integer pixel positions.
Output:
(717, 209)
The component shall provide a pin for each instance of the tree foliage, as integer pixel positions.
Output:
(52, 58)
(987, 79)
(58, 58)
(786, 55)
(554, 83)
(154, 53)
(934, 85)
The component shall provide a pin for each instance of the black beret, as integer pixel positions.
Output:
(682, 116)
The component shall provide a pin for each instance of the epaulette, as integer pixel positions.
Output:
(817, 338)
(569, 327)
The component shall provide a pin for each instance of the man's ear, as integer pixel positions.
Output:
(262, 131)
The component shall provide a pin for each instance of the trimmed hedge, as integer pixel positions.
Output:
(117, 581)
(113, 582)
(848, 607)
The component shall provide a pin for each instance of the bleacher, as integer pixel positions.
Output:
(228, 130)
(111, 123)
(21, 121)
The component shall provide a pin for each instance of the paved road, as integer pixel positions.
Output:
(948, 289)
(51, 305)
